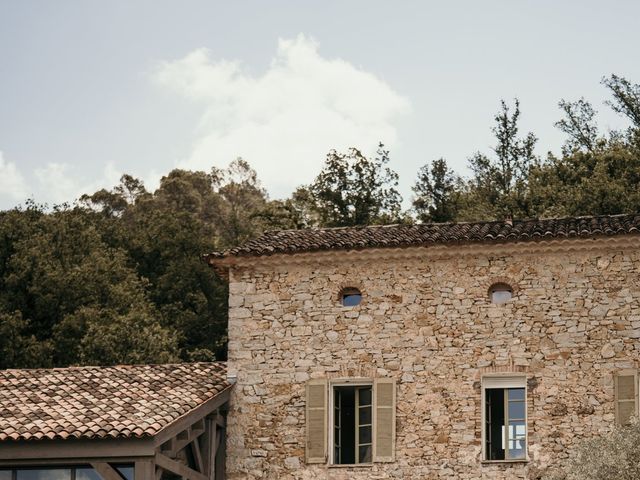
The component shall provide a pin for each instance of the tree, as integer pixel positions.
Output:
(436, 193)
(626, 98)
(166, 232)
(353, 190)
(18, 347)
(613, 456)
(579, 125)
(501, 182)
(56, 266)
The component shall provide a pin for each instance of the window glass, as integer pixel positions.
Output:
(365, 454)
(351, 297)
(5, 474)
(500, 293)
(125, 471)
(87, 474)
(44, 474)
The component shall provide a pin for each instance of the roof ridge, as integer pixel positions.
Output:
(104, 367)
(425, 234)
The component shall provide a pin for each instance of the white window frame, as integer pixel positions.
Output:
(344, 382)
(504, 381)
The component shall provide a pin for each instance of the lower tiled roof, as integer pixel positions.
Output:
(103, 402)
(348, 238)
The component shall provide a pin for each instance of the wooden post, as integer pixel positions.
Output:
(144, 470)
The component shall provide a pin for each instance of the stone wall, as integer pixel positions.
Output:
(428, 323)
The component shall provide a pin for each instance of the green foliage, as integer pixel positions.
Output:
(55, 267)
(352, 190)
(18, 347)
(499, 182)
(608, 457)
(626, 98)
(595, 175)
(436, 193)
(579, 125)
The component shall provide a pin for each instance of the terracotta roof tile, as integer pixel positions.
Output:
(103, 402)
(353, 238)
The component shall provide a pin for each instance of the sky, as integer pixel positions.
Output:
(90, 89)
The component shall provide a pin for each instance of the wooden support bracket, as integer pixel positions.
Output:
(178, 468)
(106, 471)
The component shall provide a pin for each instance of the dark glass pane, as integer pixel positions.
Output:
(516, 410)
(87, 474)
(351, 300)
(336, 436)
(125, 472)
(365, 435)
(494, 417)
(516, 394)
(365, 396)
(364, 417)
(5, 474)
(44, 474)
(364, 454)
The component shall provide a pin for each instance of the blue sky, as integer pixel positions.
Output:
(92, 89)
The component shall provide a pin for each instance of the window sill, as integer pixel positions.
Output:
(500, 462)
(350, 465)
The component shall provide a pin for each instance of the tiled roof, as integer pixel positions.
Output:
(103, 402)
(349, 238)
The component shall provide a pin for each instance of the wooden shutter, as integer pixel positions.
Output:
(316, 451)
(626, 396)
(384, 420)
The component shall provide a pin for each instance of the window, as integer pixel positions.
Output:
(626, 396)
(505, 418)
(350, 297)
(350, 422)
(500, 293)
(63, 473)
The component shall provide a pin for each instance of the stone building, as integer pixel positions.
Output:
(457, 351)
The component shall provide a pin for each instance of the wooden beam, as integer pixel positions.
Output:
(144, 470)
(211, 453)
(183, 439)
(100, 449)
(220, 454)
(197, 455)
(220, 420)
(178, 468)
(188, 419)
(106, 471)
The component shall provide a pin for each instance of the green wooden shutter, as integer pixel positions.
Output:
(316, 435)
(626, 396)
(384, 420)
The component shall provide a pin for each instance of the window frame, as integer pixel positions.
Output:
(504, 381)
(355, 383)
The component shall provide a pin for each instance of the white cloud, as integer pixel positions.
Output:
(13, 187)
(285, 120)
(58, 182)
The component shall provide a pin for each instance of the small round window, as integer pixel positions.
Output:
(350, 297)
(500, 293)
